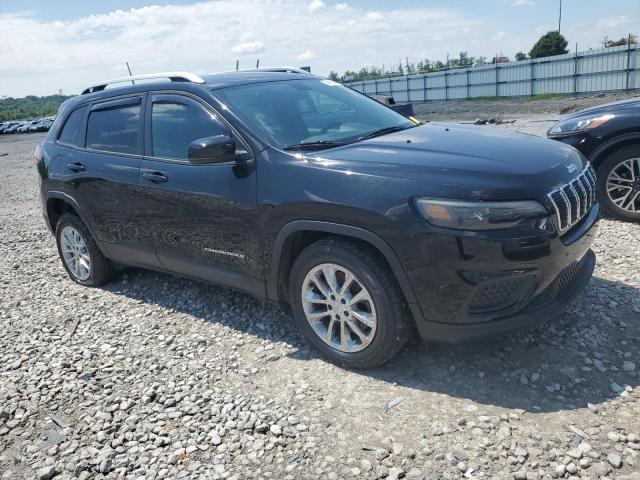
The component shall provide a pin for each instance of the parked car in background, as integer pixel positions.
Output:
(41, 126)
(13, 128)
(405, 109)
(365, 222)
(609, 136)
(27, 125)
(8, 125)
(31, 126)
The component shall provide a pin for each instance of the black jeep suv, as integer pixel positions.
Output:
(301, 191)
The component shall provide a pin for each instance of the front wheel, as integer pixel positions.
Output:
(347, 303)
(619, 183)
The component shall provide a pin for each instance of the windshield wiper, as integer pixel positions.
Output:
(313, 145)
(384, 131)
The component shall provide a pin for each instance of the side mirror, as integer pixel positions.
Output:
(216, 149)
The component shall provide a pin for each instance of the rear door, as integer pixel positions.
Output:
(203, 218)
(100, 149)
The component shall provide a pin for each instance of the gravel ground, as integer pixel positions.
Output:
(160, 377)
(514, 108)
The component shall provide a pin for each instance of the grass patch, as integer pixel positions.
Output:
(530, 98)
(547, 96)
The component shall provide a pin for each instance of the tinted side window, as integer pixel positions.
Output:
(175, 125)
(114, 129)
(73, 128)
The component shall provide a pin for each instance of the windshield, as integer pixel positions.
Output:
(313, 113)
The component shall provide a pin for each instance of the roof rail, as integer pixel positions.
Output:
(276, 70)
(173, 76)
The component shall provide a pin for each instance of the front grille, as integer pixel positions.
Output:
(573, 200)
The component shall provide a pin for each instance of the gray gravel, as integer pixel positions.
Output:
(514, 108)
(160, 377)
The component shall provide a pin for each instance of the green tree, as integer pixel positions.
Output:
(29, 107)
(334, 76)
(465, 60)
(521, 56)
(630, 40)
(552, 43)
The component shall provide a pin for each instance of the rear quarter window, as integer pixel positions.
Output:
(114, 129)
(72, 130)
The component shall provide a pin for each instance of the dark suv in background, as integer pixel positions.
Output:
(301, 191)
(609, 136)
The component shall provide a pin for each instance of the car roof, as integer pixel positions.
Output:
(230, 79)
(211, 82)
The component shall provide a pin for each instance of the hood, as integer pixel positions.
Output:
(462, 161)
(608, 107)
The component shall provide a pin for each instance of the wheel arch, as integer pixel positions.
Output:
(59, 203)
(296, 235)
(611, 145)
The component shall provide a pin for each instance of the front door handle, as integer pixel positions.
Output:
(76, 167)
(155, 177)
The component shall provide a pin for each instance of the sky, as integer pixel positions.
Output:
(47, 46)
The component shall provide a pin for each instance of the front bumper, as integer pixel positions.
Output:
(474, 286)
(543, 307)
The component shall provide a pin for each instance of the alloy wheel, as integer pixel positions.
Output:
(623, 185)
(75, 253)
(339, 308)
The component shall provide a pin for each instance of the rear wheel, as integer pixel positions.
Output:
(348, 304)
(80, 255)
(619, 183)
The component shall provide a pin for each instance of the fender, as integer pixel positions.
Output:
(340, 229)
(71, 201)
(603, 150)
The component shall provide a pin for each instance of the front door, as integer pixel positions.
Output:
(202, 218)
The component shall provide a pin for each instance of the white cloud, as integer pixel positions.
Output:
(78, 51)
(316, 5)
(521, 3)
(308, 55)
(614, 21)
(249, 47)
(374, 16)
(499, 35)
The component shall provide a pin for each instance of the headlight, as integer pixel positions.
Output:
(572, 125)
(463, 215)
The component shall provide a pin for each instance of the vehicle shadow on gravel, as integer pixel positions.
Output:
(584, 357)
(567, 363)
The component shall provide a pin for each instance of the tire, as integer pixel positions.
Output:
(382, 294)
(612, 164)
(101, 270)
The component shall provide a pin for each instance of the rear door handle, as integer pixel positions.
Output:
(155, 177)
(76, 167)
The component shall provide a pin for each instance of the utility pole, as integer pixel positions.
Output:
(560, 16)
(237, 65)
(258, 63)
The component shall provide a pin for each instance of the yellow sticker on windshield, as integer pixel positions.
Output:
(331, 83)
(415, 120)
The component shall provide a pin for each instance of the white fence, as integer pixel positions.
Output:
(607, 69)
